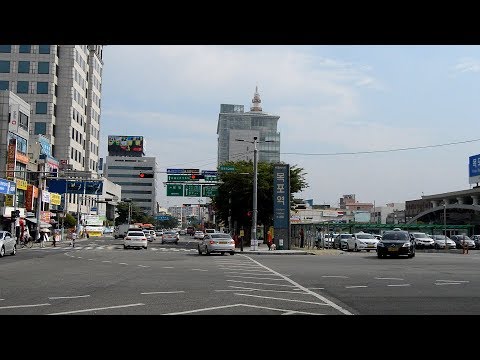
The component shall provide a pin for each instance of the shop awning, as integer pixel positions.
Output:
(42, 224)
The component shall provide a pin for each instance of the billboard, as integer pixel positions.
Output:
(362, 216)
(125, 145)
(474, 169)
(62, 186)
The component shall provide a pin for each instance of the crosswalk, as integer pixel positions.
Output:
(109, 247)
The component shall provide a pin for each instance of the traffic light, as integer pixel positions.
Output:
(197, 176)
(145, 175)
(14, 214)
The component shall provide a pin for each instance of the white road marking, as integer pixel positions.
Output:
(144, 266)
(162, 292)
(316, 288)
(235, 305)
(237, 290)
(335, 276)
(451, 283)
(106, 261)
(68, 297)
(2, 299)
(387, 278)
(79, 257)
(274, 298)
(355, 286)
(399, 285)
(256, 283)
(100, 247)
(95, 309)
(290, 313)
(318, 296)
(459, 281)
(199, 269)
(168, 267)
(258, 273)
(90, 259)
(254, 277)
(22, 306)
(266, 290)
(123, 263)
(88, 248)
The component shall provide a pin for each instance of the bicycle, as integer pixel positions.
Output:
(28, 242)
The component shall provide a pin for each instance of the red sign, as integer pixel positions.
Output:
(11, 158)
(29, 198)
(23, 158)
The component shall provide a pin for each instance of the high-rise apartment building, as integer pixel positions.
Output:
(63, 85)
(234, 123)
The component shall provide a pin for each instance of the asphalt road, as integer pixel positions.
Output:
(100, 277)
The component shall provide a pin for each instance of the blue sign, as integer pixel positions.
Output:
(7, 187)
(474, 169)
(210, 172)
(174, 171)
(281, 196)
(89, 187)
(162, 217)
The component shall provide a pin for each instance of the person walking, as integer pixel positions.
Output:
(42, 238)
(73, 236)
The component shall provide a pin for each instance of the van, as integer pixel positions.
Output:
(190, 230)
(210, 231)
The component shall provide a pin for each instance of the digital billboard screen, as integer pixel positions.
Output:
(125, 145)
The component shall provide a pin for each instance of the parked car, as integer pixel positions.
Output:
(476, 240)
(460, 239)
(440, 242)
(182, 232)
(394, 243)
(217, 243)
(7, 244)
(422, 240)
(340, 241)
(148, 235)
(158, 232)
(135, 239)
(378, 237)
(107, 230)
(198, 235)
(170, 237)
(362, 241)
(326, 241)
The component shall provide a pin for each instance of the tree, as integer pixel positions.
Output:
(69, 221)
(237, 187)
(137, 215)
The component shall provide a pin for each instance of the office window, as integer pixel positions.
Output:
(23, 121)
(22, 87)
(3, 85)
(71, 153)
(4, 66)
(43, 67)
(5, 48)
(42, 87)
(44, 49)
(41, 108)
(23, 67)
(25, 49)
(40, 128)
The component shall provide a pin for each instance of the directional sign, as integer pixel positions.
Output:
(209, 190)
(7, 187)
(209, 172)
(174, 171)
(210, 178)
(226, 168)
(174, 190)
(162, 217)
(192, 190)
(180, 178)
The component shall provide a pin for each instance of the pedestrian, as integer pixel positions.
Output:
(54, 240)
(73, 236)
(42, 238)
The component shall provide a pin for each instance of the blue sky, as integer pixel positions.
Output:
(329, 98)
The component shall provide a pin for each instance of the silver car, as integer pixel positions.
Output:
(7, 244)
(170, 237)
(440, 242)
(217, 243)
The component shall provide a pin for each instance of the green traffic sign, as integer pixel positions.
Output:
(192, 190)
(181, 178)
(174, 190)
(209, 190)
(226, 168)
(210, 177)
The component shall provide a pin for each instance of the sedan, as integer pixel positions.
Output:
(395, 243)
(7, 244)
(440, 242)
(460, 240)
(198, 235)
(135, 239)
(170, 236)
(217, 243)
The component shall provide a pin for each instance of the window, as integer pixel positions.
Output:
(25, 49)
(56, 70)
(42, 87)
(41, 108)
(3, 85)
(43, 67)
(44, 49)
(22, 87)
(4, 66)
(56, 90)
(40, 128)
(23, 67)
(54, 110)
(23, 121)
(5, 48)
(71, 155)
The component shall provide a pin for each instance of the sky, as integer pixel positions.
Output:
(331, 99)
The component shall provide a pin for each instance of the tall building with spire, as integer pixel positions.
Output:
(234, 123)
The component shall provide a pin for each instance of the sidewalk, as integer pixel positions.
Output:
(263, 250)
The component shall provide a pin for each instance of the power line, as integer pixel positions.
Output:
(381, 151)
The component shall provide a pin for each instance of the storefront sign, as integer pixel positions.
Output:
(55, 199)
(45, 196)
(21, 184)
(11, 158)
(29, 198)
(45, 216)
(8, 200)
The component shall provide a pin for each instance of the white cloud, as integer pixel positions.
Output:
(467, 65)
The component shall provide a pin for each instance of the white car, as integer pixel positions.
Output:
(440, 242)
(135, 239)
(422, 240)
(198, 235)
(7, 244)
(362, 241)
(217, 243)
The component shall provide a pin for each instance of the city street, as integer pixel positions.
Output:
(99, 277)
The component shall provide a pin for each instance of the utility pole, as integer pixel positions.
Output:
(254, 244)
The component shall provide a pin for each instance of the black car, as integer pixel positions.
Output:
(460, 240)
(394, 243)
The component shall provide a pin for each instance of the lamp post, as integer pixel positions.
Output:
(445, 222)
(129, 209)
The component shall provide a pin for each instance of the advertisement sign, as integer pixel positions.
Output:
(29, 198)
(281, 205)
(7, 187)
(474, 169)
(11, 158)
(55, 199)
(125, 145)
(14, 114)
(45, 216)
(331, 213)
(21, 184)
(45, 146)
(93, 220)
(23, 158)
(8, 200)
(361, 216)
(45, 196)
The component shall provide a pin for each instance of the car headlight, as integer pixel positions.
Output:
(407, 244)
(361, 243)
(380, 244)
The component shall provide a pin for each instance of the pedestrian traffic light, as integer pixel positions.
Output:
(145, 175)
(197, 176)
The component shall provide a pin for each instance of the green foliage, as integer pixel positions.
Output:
(171, 223)
(237, 188)
(137, 214)
(69, 221)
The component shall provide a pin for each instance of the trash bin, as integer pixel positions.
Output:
(280, 244)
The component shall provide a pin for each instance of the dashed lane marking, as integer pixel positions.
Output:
(398, 285)
(388, 278)
(355, 286)
(144, 266)
(95, 309)
(283, 299)
(335, 276)
(68, 297)
(254, 277)
(449, 283)
(257, 283)
(199, 269)
(22, 306)
(123, 263)
(266, 290)
(459, 281)
(162, 292)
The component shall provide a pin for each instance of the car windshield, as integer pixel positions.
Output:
(345, 236)
(395, 236)
(220, 236)
(135, 233)
(365, 236)
(419, 235)
(169, 233)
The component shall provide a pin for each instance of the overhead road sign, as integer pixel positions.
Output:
(174, 171)
(209, 190)
(192, 190)
(162, 217)
(174, 190)
(210, 172)
(226, 168)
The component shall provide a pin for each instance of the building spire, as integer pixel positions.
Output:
(256, 101)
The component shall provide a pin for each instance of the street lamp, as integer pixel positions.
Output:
(129, 209)
(445, 222)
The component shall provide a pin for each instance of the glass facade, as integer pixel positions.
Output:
(42, 87)
(41, 128)
(4, 85)
(44, 49)
(5, 48)
(4, 66)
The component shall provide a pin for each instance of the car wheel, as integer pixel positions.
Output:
(223, 253)
(176, 242)
(379, 255)
(163, 242)
(436, 246)
(124, 247)
(368, 250)
(232, 252)
(145, 247)
(207, 252)
(14, 250)
(2, 251)
(199, 251)
(348, 248)
(356, 249)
